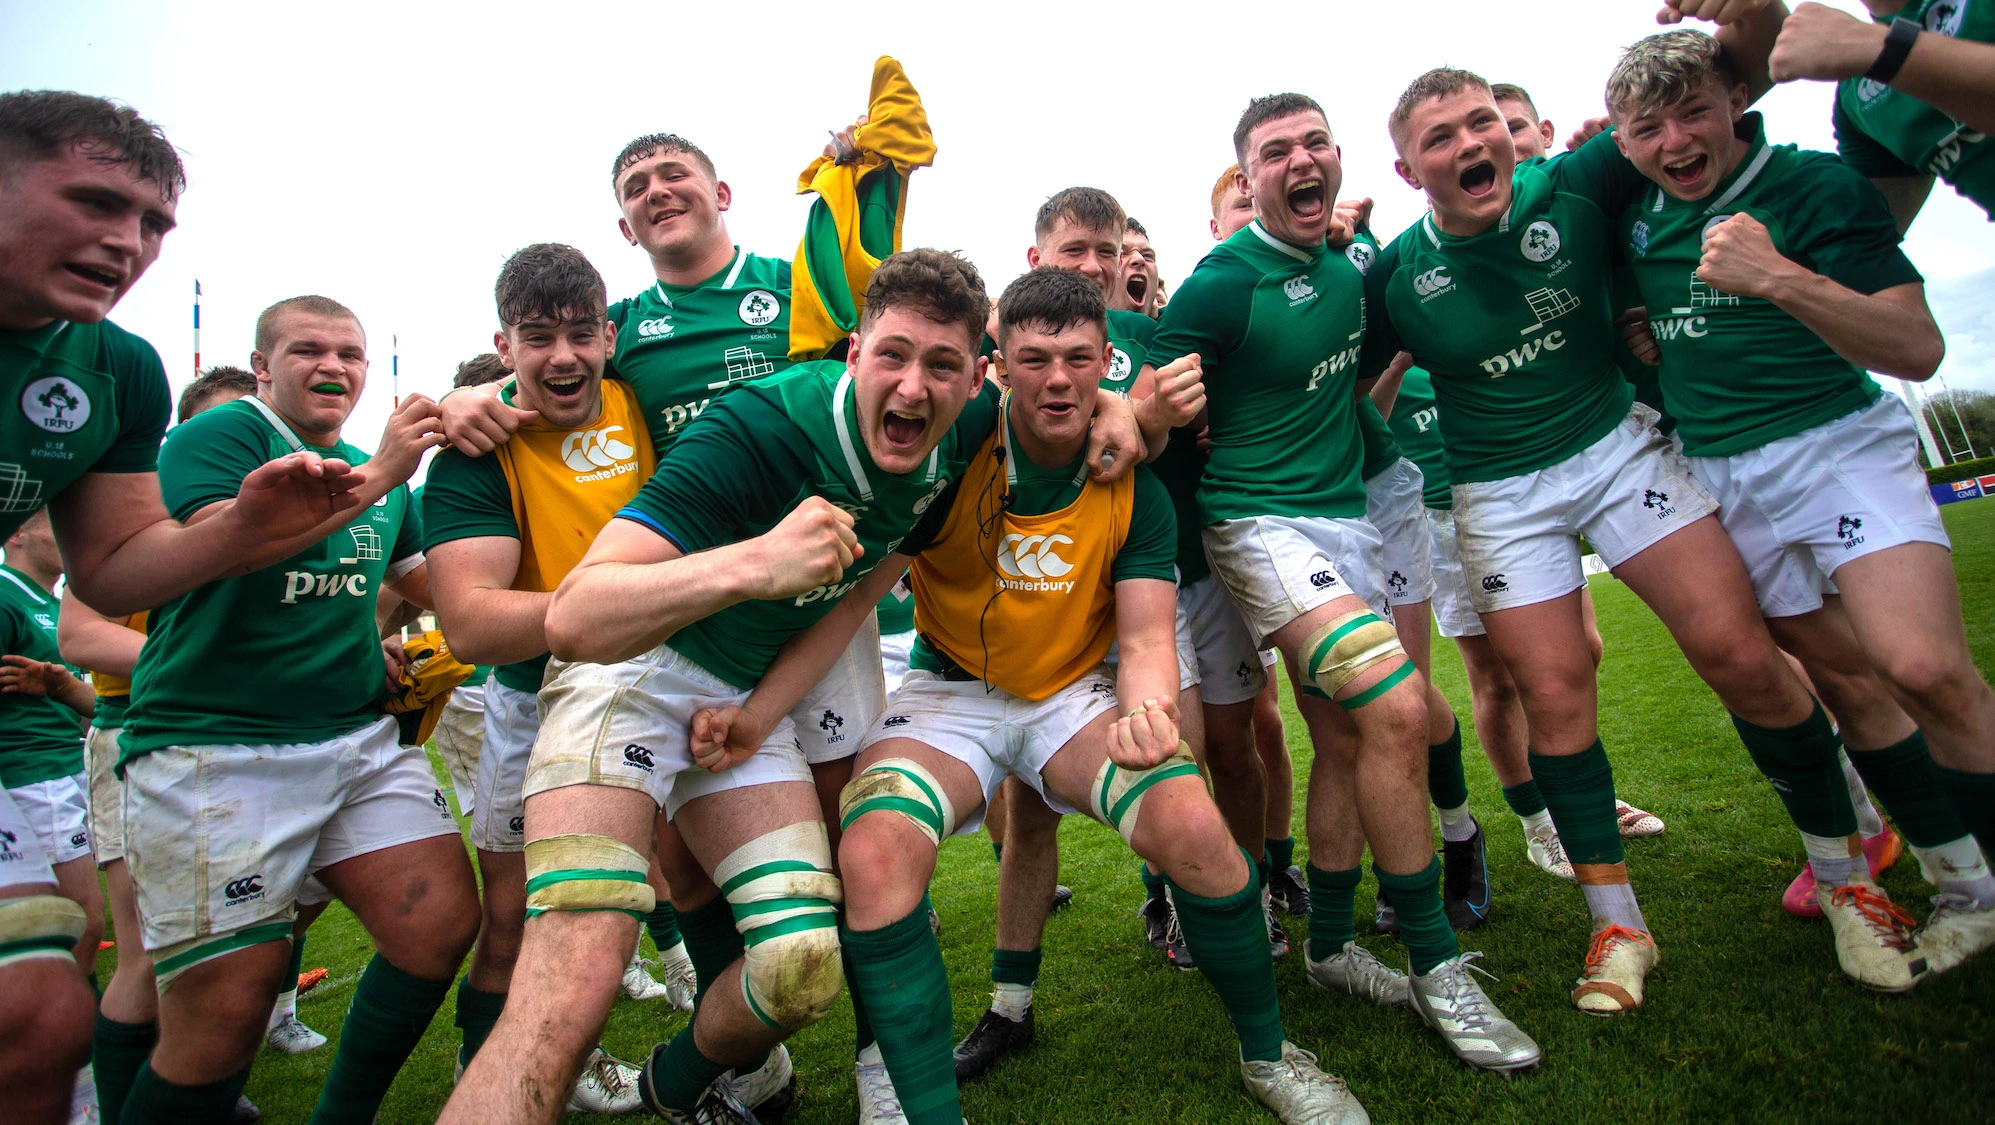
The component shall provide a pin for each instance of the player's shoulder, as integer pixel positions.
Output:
(761, 272)
(126, 352)
(1127, 325)
(231, 420)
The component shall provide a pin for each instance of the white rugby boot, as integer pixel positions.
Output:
(607, 1085)
(292, 1037)
(1618, 961)
(681, 983)
(1542, 844)
(1300, 1093)
(1451, 1002)
(1874, 941)
(878, 1103)
(1955, 932)
(768, 1090)
(1353, 969)
(638, 984)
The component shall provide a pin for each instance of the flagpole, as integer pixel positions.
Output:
(197, 328)
(395, 368)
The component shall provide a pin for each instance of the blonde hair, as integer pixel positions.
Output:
(1441, 82)
(1663, 69)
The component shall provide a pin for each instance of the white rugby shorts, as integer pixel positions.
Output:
(1393, 505)
(512, 722)
(59, 812)
(1230, 667)
(22, 861)
(1277, 568)
(1454, 610)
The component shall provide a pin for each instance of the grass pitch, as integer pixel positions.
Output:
(1747, 1016)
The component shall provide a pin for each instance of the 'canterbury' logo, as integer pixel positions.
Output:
(1031, 556)
(243, 887)
(1432, 282)
(588, 450)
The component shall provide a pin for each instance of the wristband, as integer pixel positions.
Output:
(1897, 45)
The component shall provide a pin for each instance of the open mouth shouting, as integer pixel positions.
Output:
(1687, 172)
(564, 388)
(1479, 179)
(1307, 201)
(1138, 287)
(99, 277)
(902, 430)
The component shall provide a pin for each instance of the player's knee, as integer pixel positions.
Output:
(785, 901)
(1346, 650)
(586, 873)
(903, 790)
(42, 928)
(1116, 796)
(1194, 830)
(47, 1014)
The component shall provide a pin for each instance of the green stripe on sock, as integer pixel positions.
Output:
(1333, 919)
(1377, 689)
(1423, 925)
(1579, 791)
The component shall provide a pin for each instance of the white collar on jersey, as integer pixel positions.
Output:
(733, 275)
(26, 588)
(282, 427)
(1261, 232)
(1011, 458)
(850, 448)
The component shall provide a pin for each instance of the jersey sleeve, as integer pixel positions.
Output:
(1848, 233)
(733, 473)
(466, 498)
(205, 458)
(409, 539)
(143, 400)
(979, 417)
(1597, 171)
(930, 524)
(1151, 550)
(1207, 316)
(1382, 341)
(1862, 151)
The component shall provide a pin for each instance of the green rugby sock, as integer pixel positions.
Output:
(897, 973)
(1281, 853)
(1228, 939)
(663, 926)
(1802, 764)
(1333, 921)
(1920, 796)
(1524, 800)
(155, 1101)
(680, 1073)
(1013, 966)
(862, 1024)
(387, 1018)
(712, 942)
(1423, 925)
(117, 1051)
(1974, 802)
(997, 849)
(1579, 791)
(1447, 785)
(477, 1013)
(1153, 882)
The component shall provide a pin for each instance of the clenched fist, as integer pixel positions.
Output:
(1740, 258)
(1180, 393)
(812, 547)
(1145, 737)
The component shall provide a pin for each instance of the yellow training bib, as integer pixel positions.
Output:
(567, 483)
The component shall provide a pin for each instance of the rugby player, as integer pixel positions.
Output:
(684, 627)
(128, 1009)
(1555, 451)
(501, 531)
(1278, 316)
(1137, 288)
(300, 773)
(1009, 679)
(1775, 283)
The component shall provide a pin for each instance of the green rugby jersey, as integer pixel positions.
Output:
(1129, 337)
(1884, 134)
(754, 456)
(466, 498)
(40, 739)
(678, 346)
(1416, 423)
(1279, 330)
(1516, 324)
(1381, 451)
(282, 655)
(1737, 371)
(74, 399)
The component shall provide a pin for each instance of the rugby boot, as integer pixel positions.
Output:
(769, 1090)
(1543, 846)
(878, 1103)
(1874, 942)
(1063, 896)
(1299, 1092)
(1384, 918)
(1175, 950)
(245, 1112)
(1879, 852)
(1353, 969)
(1156, 916)
(1277, 937)
(995, 1036)
(1618, 960)
(1449, 1000)
(606, 1085)
(1637, 822)
(292, 1037)
(1291, 890)
(681, 983)
(1465, 880)
(638, 984)
(717, 1104)
(1956, 932)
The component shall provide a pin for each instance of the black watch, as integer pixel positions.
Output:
(1897, 45)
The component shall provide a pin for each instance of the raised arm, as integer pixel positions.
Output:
(635, 588)
(1954, 76)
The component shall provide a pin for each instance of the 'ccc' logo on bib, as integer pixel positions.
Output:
(1031, 556)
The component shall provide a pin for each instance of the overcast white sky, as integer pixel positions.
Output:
(392, 155)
